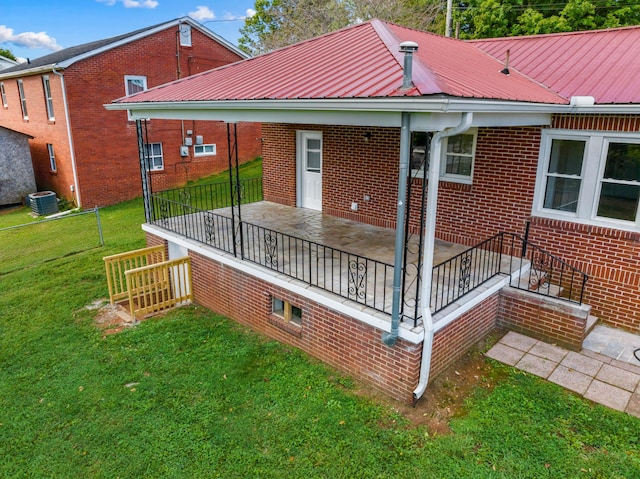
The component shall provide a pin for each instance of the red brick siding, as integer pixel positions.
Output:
(500, 199)
(105, 142)
(452, 342)
(538, 317)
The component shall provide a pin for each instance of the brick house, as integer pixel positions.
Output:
(420, 191)
(89, 155)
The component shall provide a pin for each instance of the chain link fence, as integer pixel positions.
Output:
(33, 243)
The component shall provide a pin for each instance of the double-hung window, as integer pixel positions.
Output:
(590, 177)
(134, 84)
(458, 154)
(23, 100)
(4, 95)
(154, 156)
(46, 85)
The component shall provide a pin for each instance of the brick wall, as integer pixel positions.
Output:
(550, 320)
(105, 142)
(500, 199)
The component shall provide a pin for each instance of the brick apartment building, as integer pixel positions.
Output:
(89, 155)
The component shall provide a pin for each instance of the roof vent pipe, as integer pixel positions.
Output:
(505, 70)
(408, 48)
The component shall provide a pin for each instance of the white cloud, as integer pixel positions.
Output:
(202, 14)
(132, 3)
(249, 13)
(28, 39)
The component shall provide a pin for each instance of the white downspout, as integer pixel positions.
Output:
(429, 246)
(71, 148)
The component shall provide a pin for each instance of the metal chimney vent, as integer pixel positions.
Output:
(408, 48)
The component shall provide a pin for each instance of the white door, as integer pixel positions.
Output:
(309, 147)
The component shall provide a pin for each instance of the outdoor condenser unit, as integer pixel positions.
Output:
(43, 203)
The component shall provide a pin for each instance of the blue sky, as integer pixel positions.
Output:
(33, 28)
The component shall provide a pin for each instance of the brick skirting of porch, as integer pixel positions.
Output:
(544, 318)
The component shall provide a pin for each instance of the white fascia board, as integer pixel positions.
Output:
(28, 72)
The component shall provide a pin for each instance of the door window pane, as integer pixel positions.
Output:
(314, 157)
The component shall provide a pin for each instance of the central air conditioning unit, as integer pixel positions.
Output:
(184, 151)
(43, 203)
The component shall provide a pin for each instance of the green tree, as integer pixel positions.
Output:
(278, 23)
(7, 54)
(501, 18)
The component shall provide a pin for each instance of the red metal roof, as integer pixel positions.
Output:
(604, 64)
(362, 61)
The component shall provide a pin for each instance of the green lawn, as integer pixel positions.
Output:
(193, 395)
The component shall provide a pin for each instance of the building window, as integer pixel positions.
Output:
(134, 84)
(23, 100)
(458, 154)
(286, 311)
(185, 35)
(52, 158)
(592, 179)
(204, 150)
(48, 98)
(154, 156)
(4, 96)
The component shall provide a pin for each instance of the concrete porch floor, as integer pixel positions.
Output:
(605, 371)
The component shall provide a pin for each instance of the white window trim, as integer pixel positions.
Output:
(151, 166)
(204, 153)
(48, 97)
(52, 158)
(23, 100)
(448, 177)
(3, 93)
(126, 88)
(592, 172)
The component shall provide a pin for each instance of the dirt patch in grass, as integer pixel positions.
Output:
(111, 318)
(445, 395)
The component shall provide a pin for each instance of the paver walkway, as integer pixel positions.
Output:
(606, 375)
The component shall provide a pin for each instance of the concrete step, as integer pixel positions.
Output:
(591, 323)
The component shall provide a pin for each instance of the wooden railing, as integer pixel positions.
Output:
(156, 287)
(118, 264)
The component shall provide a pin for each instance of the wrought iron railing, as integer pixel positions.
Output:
(365, 280)
(354, 277)
(547, 274)
(506, 253)
(213, 195)
(463, 273)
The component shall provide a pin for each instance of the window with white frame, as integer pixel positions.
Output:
(590, 177)
(185, 35)
(46, 85)
(458, 154)
(23, 100)
(204, 150)
(52, 158)
(134, 84)
(154, 156)
(4, 95)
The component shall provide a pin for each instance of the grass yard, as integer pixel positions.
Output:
(193, 395)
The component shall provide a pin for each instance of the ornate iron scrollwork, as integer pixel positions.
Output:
(209, 228)
(357, 278)
(540, 268)
(465, 272)
(185, 200)
(164, 212)
(238, 191)
(271, 250)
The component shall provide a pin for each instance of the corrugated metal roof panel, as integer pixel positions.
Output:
(604, 64)
(362, 61)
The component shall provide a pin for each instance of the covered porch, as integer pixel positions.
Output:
(355, 260)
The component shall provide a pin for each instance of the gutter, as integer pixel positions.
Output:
(429, 245)
(70, 137)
